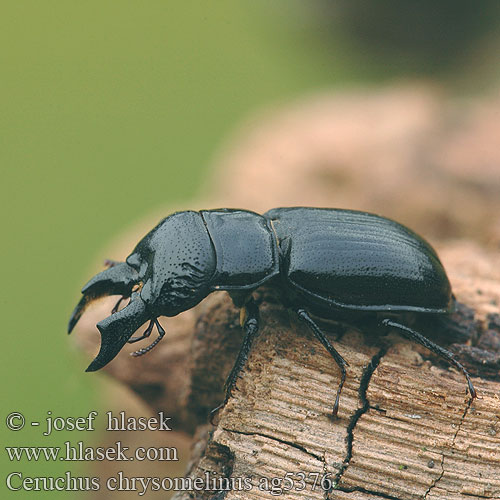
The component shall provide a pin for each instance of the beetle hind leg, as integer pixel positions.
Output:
(341, 362)
(249, 319)
(445, 354)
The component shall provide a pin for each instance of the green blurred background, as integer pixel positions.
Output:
(113, 109)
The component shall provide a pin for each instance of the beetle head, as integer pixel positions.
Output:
(175, 263)
(168, 272)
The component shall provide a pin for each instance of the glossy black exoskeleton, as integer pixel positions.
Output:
(325, 262)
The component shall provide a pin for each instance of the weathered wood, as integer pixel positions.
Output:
(406, 426)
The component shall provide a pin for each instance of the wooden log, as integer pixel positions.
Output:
(407, 428)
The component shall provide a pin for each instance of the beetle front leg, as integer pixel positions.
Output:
(418, 337)
(341, 362)
(249, 320)
(147, 333)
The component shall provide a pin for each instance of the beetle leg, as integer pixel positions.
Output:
(341, 362)
(418, 337)
(145, 335)
(249, 319)
(161, 334)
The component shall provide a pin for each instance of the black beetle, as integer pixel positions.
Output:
(331, 263)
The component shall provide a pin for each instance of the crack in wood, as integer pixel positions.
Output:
(476, 495)
(436, 481)
(322, 459)
(368, 492)
(325, 474)
(277, 439)
(363, 388)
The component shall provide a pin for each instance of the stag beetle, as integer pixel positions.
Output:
(329, 263)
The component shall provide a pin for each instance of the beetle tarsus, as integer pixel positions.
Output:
(341, 362)
(418, 337)
(147, 333)
(251, 327)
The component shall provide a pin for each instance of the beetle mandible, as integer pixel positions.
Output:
(324, 262)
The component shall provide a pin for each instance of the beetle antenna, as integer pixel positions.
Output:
(147, 333)
(418, 337)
